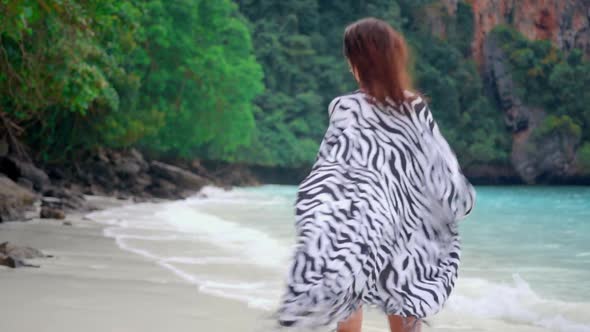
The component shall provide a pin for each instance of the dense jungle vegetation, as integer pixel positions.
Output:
(248, 80)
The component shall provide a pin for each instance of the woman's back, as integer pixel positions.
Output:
(391, 240)
(376, 218)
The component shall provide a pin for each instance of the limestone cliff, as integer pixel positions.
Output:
(566, 23)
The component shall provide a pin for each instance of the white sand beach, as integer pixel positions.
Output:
(92, 285)
(207, 265)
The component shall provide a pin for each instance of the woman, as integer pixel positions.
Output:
(377, 216)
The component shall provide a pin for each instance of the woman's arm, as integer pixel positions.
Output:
(444, 177)
(338, 140)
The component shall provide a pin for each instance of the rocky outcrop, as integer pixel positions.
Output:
(498, 80)
(534, 158)
(107, 172)
(127, 174)
(544, 159)
(52, 213)
(14, 200)
(234, 175)
(177, 175)
(22, 178)
(24, 172)
(492, 174)
(565, 22)
(123, 174)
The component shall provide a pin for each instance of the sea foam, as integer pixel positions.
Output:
(517, 302)
(181, 221)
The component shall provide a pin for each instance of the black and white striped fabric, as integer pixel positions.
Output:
(377, 216)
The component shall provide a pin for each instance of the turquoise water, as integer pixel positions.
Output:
(526, 252)
(540, 233)
(525, 262)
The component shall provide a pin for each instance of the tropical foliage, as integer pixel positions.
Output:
(175, 77)
(249, 80)
(553, 80)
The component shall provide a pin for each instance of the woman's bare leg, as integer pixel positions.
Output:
(353, 323)
(399, 324)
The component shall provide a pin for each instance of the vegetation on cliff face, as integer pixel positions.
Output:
(447, 75)
(554, 81)
(298, 44)
(299, 47)
(250, 80)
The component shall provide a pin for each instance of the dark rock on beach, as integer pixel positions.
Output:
(7, 261)
(125, 174)
(52, 213)
(14, 256)
(57, 200)
(164, 189)
(62, 198)
(4, 146)
(19, 168)
(26, 183)
(492, 174)
(14, 200)
(14, 262)
(177, 175)
(236, 175)
(20, 252)
(227, 175)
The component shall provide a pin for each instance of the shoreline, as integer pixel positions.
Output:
(28, 189)
(94, 284)
(478, 174)
(91, 284)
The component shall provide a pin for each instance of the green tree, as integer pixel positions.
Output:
(176, 77)
(299, 46)
(63, 77)
(200, 73)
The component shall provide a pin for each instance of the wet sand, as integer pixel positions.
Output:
(92, 285)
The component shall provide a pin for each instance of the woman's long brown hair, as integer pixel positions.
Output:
(379, 56)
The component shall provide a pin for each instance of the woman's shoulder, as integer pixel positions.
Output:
(415, 100)
(352, 100)
(418, 105)
(357, 94)
(356, 100)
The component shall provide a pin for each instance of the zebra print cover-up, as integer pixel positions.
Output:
(376, 218)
